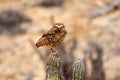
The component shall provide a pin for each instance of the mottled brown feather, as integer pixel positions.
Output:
(53, 37)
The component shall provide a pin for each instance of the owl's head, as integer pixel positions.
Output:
(59, 26)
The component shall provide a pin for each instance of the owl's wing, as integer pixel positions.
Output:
(51, 31)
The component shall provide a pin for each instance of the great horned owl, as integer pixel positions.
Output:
(53, 37)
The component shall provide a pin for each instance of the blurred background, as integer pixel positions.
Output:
(93, 36)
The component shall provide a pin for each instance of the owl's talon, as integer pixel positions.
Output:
(53, 50)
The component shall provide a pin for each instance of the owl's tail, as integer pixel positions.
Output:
(38, 44)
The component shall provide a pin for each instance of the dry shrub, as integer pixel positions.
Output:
(50, 3)
(11, 19)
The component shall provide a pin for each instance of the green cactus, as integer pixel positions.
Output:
(78, 70)
(53, 67)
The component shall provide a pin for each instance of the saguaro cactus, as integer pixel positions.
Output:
(54, 70)
(53, 67)
(78, 71)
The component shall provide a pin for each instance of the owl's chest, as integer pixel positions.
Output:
(55, 40)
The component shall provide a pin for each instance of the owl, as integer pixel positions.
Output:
(53, 38)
